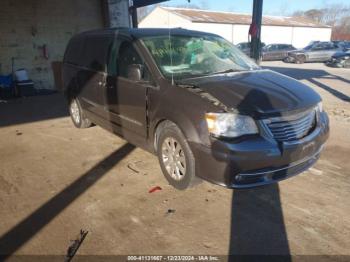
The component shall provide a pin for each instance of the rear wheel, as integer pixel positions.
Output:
(77, 114)
(176, 158)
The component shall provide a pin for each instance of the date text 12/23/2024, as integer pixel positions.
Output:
(173, 258)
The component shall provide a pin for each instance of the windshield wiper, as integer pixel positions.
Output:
(226, 71)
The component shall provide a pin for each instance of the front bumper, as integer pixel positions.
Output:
(333, 62)
(256, 160)
(291, 58)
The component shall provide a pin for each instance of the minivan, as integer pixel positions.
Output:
(197, 102)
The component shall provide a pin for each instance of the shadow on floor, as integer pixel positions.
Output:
(257, 223)
(311, 75)
(31, 109)
(31, 225)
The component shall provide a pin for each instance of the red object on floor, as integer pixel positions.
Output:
(154, 189)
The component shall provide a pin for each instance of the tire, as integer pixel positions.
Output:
(300, 59)
(77, 114)
(286, 60)
(181, 174)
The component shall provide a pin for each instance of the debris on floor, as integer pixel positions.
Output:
(315, 171)
(171, 211)
(207, 245)
(133, 167)
(154, 189)
(73, 248)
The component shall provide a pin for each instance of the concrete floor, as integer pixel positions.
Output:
(56, 180)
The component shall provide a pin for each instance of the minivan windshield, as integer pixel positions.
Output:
(182, 56)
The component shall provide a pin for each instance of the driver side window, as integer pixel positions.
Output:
(128, 56)
(318, 47)
(272, 48)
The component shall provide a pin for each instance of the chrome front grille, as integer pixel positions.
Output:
(293, 127)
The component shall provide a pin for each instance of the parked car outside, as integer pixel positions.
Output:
(314, 42)
(345, 45)
(340, 59)
(196, 102)
(276, 51)
(245, 47)
(317, 52)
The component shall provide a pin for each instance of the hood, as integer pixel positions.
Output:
(258, 92)
(297, 51)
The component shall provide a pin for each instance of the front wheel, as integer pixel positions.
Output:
(346, 63)
(176, 158)
(77, 114)
(300, 59)
(286, 59)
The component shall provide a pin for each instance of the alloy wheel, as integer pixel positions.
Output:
(173, 158)
(74, 109)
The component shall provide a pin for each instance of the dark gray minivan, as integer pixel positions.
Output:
(196, 101)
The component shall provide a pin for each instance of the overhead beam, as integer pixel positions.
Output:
(142, 3)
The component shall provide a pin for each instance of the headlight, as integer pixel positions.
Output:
(230, 125)
(320, 107)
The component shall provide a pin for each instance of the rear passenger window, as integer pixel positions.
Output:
(282, 47)
(273, 48)
(73, 52)
(95, 53)
(330, 47)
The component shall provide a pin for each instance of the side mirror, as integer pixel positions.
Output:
(135, 72)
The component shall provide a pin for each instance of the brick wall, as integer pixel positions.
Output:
(26, 26)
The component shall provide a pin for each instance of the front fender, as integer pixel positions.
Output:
(185, 109)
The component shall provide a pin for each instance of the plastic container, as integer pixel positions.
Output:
(21, 75)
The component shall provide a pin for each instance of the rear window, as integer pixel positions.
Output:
(90, 52)
(73, 51)
(96, 52)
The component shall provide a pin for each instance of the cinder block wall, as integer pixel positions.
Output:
(26, 26)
